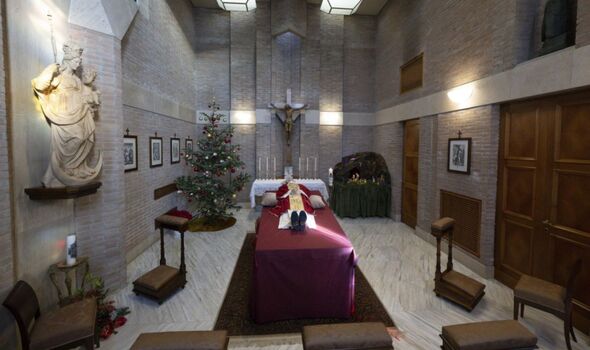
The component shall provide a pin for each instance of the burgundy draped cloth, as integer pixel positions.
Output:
(307, 274)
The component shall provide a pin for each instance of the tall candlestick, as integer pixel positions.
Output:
(315, 167)
(267, 167)
(307, 166)
(259, 175)
(299, 169)
(274, 167)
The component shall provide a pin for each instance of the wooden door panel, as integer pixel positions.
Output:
(410, 172)
(573, 133)
(517, 245)
(522, 133)
(519, 192)
(572, 201)
(566, 252)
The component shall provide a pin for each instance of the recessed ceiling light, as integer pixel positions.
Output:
(237, 5)
(340, 7)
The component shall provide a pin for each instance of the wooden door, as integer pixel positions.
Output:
(568, 220)
(410, 172)
(543, 222)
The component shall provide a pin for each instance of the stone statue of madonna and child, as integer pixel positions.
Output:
(70, 104)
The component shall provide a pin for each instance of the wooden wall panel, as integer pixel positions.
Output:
(467, 214)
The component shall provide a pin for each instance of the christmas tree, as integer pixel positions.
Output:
(215, 163)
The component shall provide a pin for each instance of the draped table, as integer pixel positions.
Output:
(307, 274)
(261, 186)
(361, 200)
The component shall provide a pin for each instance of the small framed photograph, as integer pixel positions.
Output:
(130, 152)
(174, 150)
(188, 148)
(155, 152)
(459, 158)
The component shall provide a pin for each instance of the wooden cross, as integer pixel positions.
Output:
(459, 133)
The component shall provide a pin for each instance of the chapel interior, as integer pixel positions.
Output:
(294, 174)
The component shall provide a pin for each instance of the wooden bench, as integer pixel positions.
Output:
(344, 336)
(490, 335)
(191, 340)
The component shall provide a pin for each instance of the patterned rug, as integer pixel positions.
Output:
(234, 315)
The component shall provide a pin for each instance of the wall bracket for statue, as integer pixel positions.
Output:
(70, 104)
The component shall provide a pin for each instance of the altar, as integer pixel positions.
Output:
(261, 186)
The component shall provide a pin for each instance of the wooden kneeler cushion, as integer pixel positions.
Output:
(491, 335)
(196, 340)
(164, 280)
(345, 336)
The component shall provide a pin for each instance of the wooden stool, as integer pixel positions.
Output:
(358, 336)
(164, 280)
(491, 335)
(452, 285)
(196, 340)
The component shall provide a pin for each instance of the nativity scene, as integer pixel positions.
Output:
(294, 174)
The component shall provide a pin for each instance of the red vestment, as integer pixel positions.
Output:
(283, 203)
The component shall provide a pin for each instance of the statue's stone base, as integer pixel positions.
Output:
(68, 192)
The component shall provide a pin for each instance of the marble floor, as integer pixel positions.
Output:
(398, 264)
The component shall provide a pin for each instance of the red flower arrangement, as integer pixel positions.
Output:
(108, 316)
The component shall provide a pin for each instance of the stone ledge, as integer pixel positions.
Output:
(68, 192)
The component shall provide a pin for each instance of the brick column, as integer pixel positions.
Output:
(98, 218)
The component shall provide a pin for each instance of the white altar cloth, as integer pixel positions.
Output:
(260, 186)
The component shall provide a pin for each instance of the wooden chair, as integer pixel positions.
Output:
(548, 297)
(65, 328)
(450, 284)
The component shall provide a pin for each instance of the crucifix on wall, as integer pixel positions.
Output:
(288, 120)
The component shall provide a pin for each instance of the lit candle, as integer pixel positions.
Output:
(274, 167)
(71, 249)
(267, 167)
(330, 177)
(259, 167)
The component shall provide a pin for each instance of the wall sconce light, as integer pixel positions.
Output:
(237, 5)
(340, 7)
(460, 94)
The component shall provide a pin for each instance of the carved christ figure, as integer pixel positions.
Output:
(69, 103)
(288, 121)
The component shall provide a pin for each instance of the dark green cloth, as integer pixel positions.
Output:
(361, 200)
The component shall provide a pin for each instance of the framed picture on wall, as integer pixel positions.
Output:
(459, 157)
(155, 152)
(130, 152)
(174, 150)
(188, 148)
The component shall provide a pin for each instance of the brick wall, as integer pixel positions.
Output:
(332, 61)
(482, 124)
(583, 26)
(212, 54)
(6, 244)
(462, 41)
(98, 219)
(427, 172)
(388, 141)
(158, 55)
(243, 55)
(359, 64)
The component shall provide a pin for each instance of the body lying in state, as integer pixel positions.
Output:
(294, 207)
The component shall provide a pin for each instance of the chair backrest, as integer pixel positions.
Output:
(9, 334)
(572, 279)
(24, 306)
